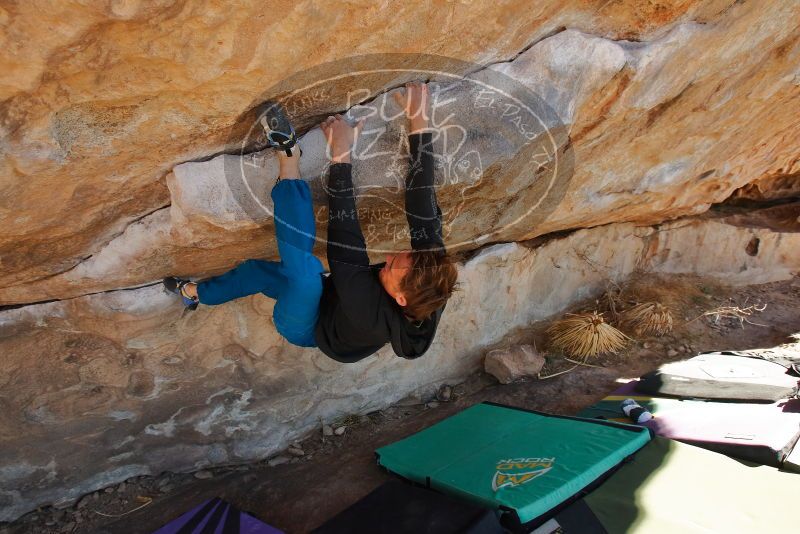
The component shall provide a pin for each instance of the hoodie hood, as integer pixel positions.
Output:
(411, 341)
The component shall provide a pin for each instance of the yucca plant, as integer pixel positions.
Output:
(649, 318)
(586, 334)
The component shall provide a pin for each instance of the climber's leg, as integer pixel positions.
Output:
(248, 278)
(254, 276)
(297, 309)
(294, 218)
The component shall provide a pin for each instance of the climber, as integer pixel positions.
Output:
(359, 307)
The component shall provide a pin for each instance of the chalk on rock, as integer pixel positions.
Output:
(511, 364)
(339, 431)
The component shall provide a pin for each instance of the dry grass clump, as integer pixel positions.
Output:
(586, 334)
(649, 318)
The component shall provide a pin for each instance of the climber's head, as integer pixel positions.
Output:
(420, 281)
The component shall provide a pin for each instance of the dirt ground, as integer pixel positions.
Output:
(297, 492)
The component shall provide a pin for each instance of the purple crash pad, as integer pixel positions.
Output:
(762, 433)
(216, 516)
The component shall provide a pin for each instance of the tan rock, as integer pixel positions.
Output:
(514, 363)
(106, 103)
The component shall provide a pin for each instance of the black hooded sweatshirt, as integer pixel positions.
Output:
(357, 316)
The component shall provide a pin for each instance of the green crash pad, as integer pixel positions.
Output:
(522, 462)
(674, 487)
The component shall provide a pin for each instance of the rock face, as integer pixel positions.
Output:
(100, 388)
(511, 364)
(121, 121)
(669, 108)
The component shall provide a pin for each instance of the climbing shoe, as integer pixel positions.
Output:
(635, 411)
(277, 128)
(176, 285)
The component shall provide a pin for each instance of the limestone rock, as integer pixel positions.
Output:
(511, 364)
(669, 108)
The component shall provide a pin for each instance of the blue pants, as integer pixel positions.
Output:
(295, 282)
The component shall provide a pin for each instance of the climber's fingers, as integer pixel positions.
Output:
(412, 95)
(411, 91)
(417, 88)
(400, 99)
(424, 99)
(325, 126)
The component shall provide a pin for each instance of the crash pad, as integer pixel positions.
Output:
(216, 516)
(761, 433)
(398, 507)
(721, 376)
(521, 462)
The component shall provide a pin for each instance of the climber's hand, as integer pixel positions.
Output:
(340, 137)
(413, 99)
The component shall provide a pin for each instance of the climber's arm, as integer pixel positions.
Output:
(422, 209)
(346, 242)
(359, 290)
